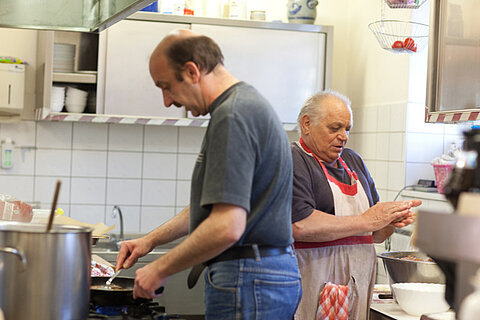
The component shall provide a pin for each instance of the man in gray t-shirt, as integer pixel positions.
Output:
(245, 161)
(239, 218)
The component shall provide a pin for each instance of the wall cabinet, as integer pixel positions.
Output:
(129, 89)
(453, 81)
(285, 66)
(286, 63)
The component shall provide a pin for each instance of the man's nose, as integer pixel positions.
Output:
(167, 100)
(343, 135)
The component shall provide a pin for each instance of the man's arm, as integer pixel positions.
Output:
(223, 227)
(321, 226)
(171, 230)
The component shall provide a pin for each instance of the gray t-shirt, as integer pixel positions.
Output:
(245, 160)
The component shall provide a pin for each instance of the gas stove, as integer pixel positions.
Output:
(138, 311)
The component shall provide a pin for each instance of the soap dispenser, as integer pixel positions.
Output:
(7, 153)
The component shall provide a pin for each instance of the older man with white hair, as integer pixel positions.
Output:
(336, 214)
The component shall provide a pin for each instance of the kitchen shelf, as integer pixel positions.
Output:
(101, 118)
(75, 77)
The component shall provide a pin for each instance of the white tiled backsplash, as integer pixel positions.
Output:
(145, 170)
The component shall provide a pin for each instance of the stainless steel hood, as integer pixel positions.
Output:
(66, 15)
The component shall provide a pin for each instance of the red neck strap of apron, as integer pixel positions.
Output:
(344, 165)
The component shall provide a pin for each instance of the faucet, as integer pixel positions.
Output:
(114, 214)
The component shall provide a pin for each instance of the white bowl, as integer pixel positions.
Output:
(71, 91)
(420, 298)
(75, 108)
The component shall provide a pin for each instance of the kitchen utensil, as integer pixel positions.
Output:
(402, 270)
(44, 276)
(420, 298)
(54, 205)
(109, 281)
(102, 295)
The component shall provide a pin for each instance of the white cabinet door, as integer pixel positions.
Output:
(12, 87)
(285, 66)
(129, 89)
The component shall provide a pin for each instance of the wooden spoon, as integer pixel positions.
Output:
(54, 205)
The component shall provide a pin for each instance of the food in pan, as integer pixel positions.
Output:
(105, 287)
(413, 258)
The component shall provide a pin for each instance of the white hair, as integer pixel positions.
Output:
(314, 106)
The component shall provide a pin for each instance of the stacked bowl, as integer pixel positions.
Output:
(57, 99)
(76, 100)
(63, 57)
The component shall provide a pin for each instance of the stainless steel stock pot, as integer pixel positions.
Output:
(44, 275)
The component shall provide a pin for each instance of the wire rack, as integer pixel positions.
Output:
(405, 4)
(400, 37)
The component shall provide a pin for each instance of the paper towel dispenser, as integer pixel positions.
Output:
(12, 88)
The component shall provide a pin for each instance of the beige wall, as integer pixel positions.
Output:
(362, 70)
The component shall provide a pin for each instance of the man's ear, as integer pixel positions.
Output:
(191, 71)
(306, 124)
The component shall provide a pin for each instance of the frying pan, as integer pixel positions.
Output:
(104, 296)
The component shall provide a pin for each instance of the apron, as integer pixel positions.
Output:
(349, 261)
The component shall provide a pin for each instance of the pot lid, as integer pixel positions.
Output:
(67, 15)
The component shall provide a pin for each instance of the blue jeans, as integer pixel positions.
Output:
(248, 289)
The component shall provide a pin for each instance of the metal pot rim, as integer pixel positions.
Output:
(399, 254)
(23, 227)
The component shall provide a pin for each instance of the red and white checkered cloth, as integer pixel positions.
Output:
(333, 303)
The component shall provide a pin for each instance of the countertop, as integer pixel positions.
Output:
(391, 310)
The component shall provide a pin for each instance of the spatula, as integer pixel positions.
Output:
(110, 280)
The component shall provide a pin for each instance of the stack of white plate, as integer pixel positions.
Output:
(63, 57)
(57, 99)
(76, 100)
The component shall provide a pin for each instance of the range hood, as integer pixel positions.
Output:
(67, 15)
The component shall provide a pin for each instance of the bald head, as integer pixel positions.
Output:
(181, 46)
(169, 39)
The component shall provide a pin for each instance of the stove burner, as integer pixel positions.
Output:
(142, 311)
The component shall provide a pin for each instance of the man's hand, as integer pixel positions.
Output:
(396, 213)
(130, 251)
(147, 280)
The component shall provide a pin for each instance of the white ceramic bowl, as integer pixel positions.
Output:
(420, 298)
(75, 108)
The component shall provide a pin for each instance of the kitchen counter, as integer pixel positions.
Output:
(391, 310)
(387, 309)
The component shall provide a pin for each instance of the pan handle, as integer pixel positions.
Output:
(16, 252)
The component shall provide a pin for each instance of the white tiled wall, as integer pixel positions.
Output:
(378, 135)
(145, 170)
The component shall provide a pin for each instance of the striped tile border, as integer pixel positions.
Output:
(178, 122)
